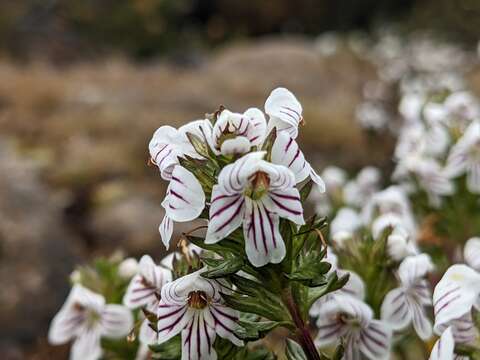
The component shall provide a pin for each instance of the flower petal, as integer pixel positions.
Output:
(117, 321)
(226, 214)
(283, 105)
(234, 177)
(172, 319)
(163, 150)
(238, 145)
(471, 253)
(395, 309)
(444, 347)
(87, 345)
(375, 340)
(226, 322)
(198, 338)
(413, 268)
(286, 204)
(257, 126)
(455, 295)
(263, 241)
(185, 198)
(166, 230)
(286, 152)
(473, 178)
(146, 334)
(421, 323)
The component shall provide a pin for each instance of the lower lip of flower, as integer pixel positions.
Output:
(197, 300)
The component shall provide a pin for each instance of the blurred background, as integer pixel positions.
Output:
(84, 84)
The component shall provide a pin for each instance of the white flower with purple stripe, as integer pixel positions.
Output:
(285, 111)
(464, 157)
(255, 193)
(350, 319)
(453, 299)
(192, 306)
(235, 133)
(144, 291)
(85, 319)
(406, 304)
(168, 144)
(183, 202)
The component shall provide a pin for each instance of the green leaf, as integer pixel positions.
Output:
(339, 351)
(200, 146)
(254, 330)
(294, 351)
(268, 143)
(309, 270)
(225, 247)
(170, 350)
(221, 268)
(305, 190)
(334, 283)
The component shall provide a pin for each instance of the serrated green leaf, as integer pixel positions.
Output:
(334, 283)
(254, 330)
(223, 268)
(309, 269)
(225, 247)
(294, 351)
(200, 146)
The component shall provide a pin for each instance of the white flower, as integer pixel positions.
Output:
(85, 319)
(344, 225)
(410, 106)
(284, 110)
(192, 306)
(372, 115)
(453, 298)
(351, 319)
(192, 251)
(168, 144)
(471, 253)
(405, 304)
(334, 178)
(444, 348)
(464, 157)
(255, 193)
(144, 291)
(400, 244)
(459, 109)
(392, 200)
(235, 133)
(359, 190)
(184, 201)
(128, 268)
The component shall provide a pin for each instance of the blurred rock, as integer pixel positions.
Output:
(36, 254)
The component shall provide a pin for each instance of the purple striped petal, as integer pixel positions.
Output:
(395, 309)
(225, 320)
(444, 347)
(171, 320)
(235, 177)
(117, 321)
(185, 198)
(263, 242)
(455, 295)
(286, 152)
(413, 268)
(163, 151)
(87, 345)
(283, 107)
(375, 340)
(166, 231)
(198, 338)
(421, 323)
(286, 204)
(226, 214)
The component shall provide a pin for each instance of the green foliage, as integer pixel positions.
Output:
(170, 350)
(294, 351)
(218, 268)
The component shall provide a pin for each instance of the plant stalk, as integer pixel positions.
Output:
(303, 334)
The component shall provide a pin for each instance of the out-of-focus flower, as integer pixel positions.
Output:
(356, 192)
(400, 244)
(453, 298)
(192, 306)
(350, 319)
(444, 348)
(334, 178)
(184, 201)
(464, 157)
(128, 268)
(255, 193)
(85, 319)
(344, 225)
(471, 253)
(235, 133)
(372, 116)
(405, 304)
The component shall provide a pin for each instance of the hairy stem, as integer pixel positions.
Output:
(303, 334)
